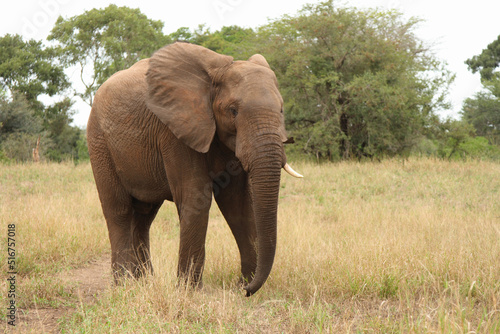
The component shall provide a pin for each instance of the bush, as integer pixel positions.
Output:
(19, 146)
(426, 147)
(479, 148)
(4, 159)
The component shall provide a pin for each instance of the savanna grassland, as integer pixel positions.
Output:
(389, 247)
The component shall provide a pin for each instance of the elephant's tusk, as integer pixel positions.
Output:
(290, 171)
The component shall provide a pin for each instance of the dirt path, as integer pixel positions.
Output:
(89, 280)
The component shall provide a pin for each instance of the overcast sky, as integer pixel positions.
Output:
(457, 30)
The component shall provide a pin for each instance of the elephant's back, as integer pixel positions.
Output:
(123, 90)
(120, 99)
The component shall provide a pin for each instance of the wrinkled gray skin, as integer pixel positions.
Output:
(181, 126)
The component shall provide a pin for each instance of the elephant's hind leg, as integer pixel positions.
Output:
(129, 236)
(119, 214)
(143, 216)
(128, 222)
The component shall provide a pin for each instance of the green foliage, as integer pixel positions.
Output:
(108, 40)
(30, 69)
(426, 147)
(3, 158)
(16, 116)
(483, 109)
(18, 146)
(483, 112)
(232, 41)
(20, 128)
(456, 140)
(64, 138)
(82, 151)
(479, 148)
(357, 83)
(487, 62)
(453, 135)
(182, 34)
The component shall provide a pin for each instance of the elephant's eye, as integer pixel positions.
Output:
(233, 111)
(282, 110)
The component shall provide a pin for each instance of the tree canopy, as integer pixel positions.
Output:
(356, 82)
(487, 62)
(30, 69)
(232, 40)
(483, 109)
(106, 40)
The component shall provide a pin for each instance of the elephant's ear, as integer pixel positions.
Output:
(259, 60)
(179, 81)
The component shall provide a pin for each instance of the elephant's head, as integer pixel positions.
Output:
(198, 93)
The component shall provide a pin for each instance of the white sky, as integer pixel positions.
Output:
(457, 30)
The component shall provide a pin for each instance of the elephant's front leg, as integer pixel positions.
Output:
(193, 214)
(234, 200)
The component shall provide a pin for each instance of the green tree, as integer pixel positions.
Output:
(483, 109)
(483, 112)
(16, 116)
(356, 82)
(232, 40)
(19, 128)
(63, 139)
(229, 40)
(183, 34)
(457, 140)
(30, 69)
(454, 134)
(104, 41)
(487, 62)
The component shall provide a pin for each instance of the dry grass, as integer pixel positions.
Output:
(372, 247)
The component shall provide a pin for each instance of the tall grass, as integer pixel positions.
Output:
(59, 225)
(56, 213)
(381, 247)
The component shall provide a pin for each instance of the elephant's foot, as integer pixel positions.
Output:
(122, 272)
(190, 270)
(186, 282)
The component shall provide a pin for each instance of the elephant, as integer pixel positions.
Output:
(190, 125)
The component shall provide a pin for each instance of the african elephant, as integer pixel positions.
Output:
(183, 125)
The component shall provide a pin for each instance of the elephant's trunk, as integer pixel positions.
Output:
(264, 178)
